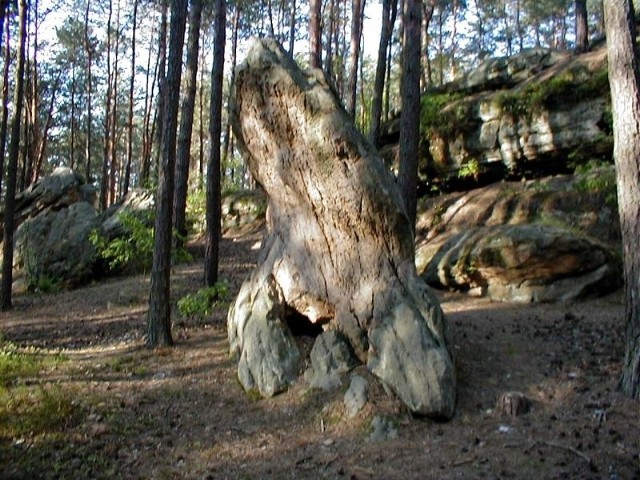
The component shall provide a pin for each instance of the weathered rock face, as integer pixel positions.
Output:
(138, 202)
(339, 249)
(541, 241)
(537, 111)
(55, 245)
(243, 211)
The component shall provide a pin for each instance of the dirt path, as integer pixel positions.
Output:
(180, 413)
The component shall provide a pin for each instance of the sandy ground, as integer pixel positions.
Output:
(180, 412)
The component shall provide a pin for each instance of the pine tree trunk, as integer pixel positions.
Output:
(410, 115)
(624, 81)
(12, 165)
(582, 26)
(315, 34)
(388, 19)
(356, 34)
(183, 156)
(213, 215)
(339, 248)
(159, 316)
(5, 100)
(89, 129)
(127, 168)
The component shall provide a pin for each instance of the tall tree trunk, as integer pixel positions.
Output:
(624, 81)
(12, 165)
(582, 26)
(388, 6)
(106, 151)
(159, 317)
(88, 49)
(127, 168)
(149, 119)
(357, 15)
(292, 26)
(183, 156)
(113, 144)
(410, 115)
(212, 237)
(160, 80)
(315, 33)
(201, 121)
(5, 99)
(72, 140)
(41, 147)
(232, 79)
(425, 62)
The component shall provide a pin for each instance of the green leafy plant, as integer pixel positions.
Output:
(133, 251)
(202, 302)
(470, 169)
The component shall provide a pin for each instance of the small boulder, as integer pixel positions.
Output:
(356, 396)
(331, 357)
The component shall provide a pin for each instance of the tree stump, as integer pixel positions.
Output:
(339, 247)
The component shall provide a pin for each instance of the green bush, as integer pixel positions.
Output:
(202, 302)
(133, 251)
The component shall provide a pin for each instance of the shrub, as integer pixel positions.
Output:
(133, 251)
(202, 302)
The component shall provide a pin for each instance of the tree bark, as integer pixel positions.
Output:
(624, 81)
(234, 52)
(89, 68)
(5, 100)
(410, 115)
(582, 27)
(357, 15)
(212, 235)
(159, 317)
(183, 157)
(127, 168)
(315, 34)
(339, 248)
(106, 151)
(12, 165)
(381, 68)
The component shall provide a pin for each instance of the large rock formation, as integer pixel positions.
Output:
(539, 111)
(339, 248)
(547, 240)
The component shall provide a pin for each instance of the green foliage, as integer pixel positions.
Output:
(202, 302)
(471, 169)
(133, 251)
(444, 113)
(196, 210)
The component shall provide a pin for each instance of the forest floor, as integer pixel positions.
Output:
(119, 410)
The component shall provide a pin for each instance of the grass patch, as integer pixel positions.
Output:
(29, 408)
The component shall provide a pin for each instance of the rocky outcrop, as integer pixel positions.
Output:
(55, 220)
(536, 113)
(539, 241)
